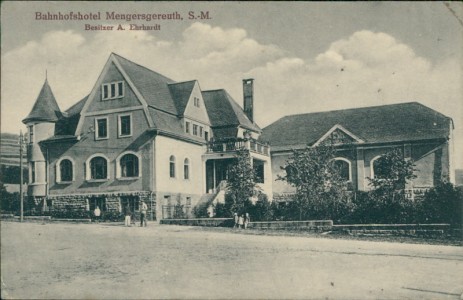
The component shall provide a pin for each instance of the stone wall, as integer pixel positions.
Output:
(80, 202)
(317, 225)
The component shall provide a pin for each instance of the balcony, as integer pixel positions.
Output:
(233, 144)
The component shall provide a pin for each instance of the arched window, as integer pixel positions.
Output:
(172, 166)
(186, 168)
(129, 165)
(98, 168)
(344, 167)
(378, 169)
(66, 170)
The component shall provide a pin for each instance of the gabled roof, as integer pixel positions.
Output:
(68, 123)
(45, 107)
(153, 86)
(181, 92)
(167, 123)
(224, 111)
(164, 102)
(380, 124)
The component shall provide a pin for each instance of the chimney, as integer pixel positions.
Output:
(248, 98)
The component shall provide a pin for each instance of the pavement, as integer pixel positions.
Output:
(110, 261)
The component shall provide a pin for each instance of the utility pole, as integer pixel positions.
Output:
(21, 194)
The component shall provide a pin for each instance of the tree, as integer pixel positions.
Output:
(392, 172)
(9, 202)
(319, 186)
(241, 183)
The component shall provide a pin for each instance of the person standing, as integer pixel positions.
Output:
(128, 214)
(143, 210)
(235, 218)
(97, 214)
(247, 219)
(241, 221)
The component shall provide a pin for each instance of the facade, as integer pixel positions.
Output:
(361, 136)
(138, 136)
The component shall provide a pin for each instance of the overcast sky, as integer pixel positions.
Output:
(304, 57)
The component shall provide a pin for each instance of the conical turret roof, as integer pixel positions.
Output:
(45, 107)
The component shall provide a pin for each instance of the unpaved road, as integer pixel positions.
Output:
(96, 261)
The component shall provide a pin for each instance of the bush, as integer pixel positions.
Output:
(262, 210)
(442, 204)
(70, 214)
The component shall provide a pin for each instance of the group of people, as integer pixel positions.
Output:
(242, 220)
(128, 214)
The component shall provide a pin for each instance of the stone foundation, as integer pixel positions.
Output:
(80, 202)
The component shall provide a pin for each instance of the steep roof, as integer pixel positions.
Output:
(152, 86)
(379, 124)
(224, 111)
(168, 123)
(166, 100)
(45, 107)
(68, 123)
(181, 92)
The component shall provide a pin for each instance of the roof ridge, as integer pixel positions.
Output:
(138, 65)
(354, 108)
(216, 90)
(182, 82)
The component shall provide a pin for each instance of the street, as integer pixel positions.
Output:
(109, 261)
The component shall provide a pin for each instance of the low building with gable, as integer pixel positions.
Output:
(361, 136)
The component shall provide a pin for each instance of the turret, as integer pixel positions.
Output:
(40, 125)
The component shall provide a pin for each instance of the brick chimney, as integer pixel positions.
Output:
(248, 98)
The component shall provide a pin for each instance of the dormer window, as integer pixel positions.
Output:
(113, 90)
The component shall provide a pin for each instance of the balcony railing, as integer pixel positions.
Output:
(231, 145)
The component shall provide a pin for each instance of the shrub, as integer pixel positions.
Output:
(262, 210)
(442, 204)
(70, 214)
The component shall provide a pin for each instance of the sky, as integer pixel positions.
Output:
(304, 56)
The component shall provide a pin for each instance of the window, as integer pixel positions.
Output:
(65, 171)
(343, 166)
(31, 133)
(112, 90)
(172, 166)
(206, 135)
(129, 166)
(201, 131)
(186, 169)
(33, 178)
(101, 131)
(378, 168)
(259, 171)
(187, 127)
(196, 101)
(125, 125)
(195, 129)
(98, 168)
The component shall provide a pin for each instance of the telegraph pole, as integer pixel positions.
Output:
(21, 195)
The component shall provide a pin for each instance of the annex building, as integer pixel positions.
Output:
(139, 135)
(361, 136)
